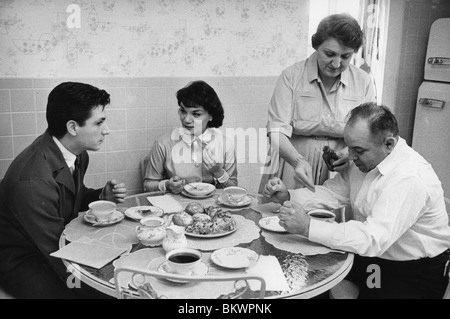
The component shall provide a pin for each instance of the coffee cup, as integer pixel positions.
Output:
(182, 261)
(102, 209)
(323, 215)
(235, 194)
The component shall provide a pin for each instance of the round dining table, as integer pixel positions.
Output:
(308, 276)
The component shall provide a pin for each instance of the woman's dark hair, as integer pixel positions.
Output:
(72, 101)
(201, 94)
(379, 117)
(342, 27)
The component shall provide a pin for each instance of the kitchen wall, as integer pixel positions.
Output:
(418, 17)
(142, 52)
(141, 110)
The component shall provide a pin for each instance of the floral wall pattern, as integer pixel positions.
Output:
(151, 38)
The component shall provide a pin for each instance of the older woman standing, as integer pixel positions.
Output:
(310, 102)
(197, 151)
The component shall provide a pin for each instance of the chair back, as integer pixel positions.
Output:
(140, 287)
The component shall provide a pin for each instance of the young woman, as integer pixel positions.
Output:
(197, 151)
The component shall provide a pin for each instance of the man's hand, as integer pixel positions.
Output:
(294, 219)
(114, 192)
(276, 190)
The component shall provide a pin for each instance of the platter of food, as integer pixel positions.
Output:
(210, 222)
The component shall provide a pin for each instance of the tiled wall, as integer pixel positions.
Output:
(418, 17)
(141, 110)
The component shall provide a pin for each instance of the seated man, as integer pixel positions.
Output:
(400, 221)
(43, 191)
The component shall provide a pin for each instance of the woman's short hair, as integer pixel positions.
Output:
(72, 101)
(381, 120)
(201, 94)
(342, 27)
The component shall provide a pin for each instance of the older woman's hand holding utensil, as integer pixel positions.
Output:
(294, 219)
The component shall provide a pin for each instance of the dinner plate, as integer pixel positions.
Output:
(184, 193)
(211, 235)
(271, 224)
(224, 201)
(139, 212)
(235, 257)
(115, 218)
(199, 189)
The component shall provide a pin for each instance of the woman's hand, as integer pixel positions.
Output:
(341, 165)
(303, 174)
(211, 165)
(175, 184)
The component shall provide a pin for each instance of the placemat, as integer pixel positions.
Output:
(120, 235)
(295, 244)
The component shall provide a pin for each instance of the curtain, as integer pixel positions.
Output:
(373, 19)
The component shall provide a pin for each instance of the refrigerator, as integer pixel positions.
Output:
(431, 135)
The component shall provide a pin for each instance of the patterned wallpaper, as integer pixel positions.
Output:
(151, 38)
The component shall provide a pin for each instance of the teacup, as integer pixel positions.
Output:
(323, 215)
(182, 261)
(102, 209)
(235, 194)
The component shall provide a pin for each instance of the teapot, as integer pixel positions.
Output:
(152, 231)
(175, 238)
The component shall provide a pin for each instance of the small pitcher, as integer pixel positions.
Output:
(175, 238)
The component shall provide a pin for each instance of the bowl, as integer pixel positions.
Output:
(199, 189)
(102, 209)
(235, 194)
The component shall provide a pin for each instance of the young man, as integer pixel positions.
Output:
(43, 191)
(400, 221)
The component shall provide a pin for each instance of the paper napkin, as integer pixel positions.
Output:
(88, 254)
(167, 203)
(270, 270)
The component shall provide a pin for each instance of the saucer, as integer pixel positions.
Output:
(272, 224)
(201, 269)
(235, 257)
(114, 219)
(224, 201)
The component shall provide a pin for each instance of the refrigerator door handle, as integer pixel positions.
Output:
(433, 103)
(439, 61)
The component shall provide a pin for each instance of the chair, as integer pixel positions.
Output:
(144, 290)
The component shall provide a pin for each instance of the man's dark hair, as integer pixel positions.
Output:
(201, 94)
(382, 121)
(72, 101)
(342, 27)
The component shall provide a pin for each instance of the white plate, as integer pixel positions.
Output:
(223, 200)
(184, 193)
(136, 213)
(200, 270)
(199, 189)
(271, 224)
(235, 257)
(114, 219)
